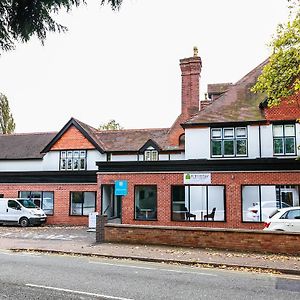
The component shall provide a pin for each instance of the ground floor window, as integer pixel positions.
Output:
(260, 201)
(82, 203)
(198, 203)
(44, 200)
(145, 199)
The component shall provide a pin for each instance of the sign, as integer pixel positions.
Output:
(197, 178)
(121, 187)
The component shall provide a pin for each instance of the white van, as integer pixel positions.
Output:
(20, 211)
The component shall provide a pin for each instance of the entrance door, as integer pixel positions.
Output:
(111, 204)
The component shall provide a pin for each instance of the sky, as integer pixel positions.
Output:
(124, 65)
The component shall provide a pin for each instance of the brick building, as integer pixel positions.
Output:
(227, 161)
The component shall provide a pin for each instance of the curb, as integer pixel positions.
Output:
(168, 261)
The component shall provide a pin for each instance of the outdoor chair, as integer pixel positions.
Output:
(189, 215)
(211, 215)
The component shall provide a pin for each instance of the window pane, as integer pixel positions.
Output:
(24, 194)
(240, 132)
(145, 202)
(69, 164)
(76, 203)
(277, 130)
(178, 203)
(198, 203)
(48, 203)
(289, 130)
(63, 154)
(63, 164)
(268, 201)
(216, 209)
(229, 147)
(278, 146)
(89, 203)
(69, 153)
(241, 147)
(216, 148)
(82, 163)
(216, 133)
(251, 203)
(290, 145)
(75, 164)
(76, 154)
(228, 132)
(294, 214)
(82, 153)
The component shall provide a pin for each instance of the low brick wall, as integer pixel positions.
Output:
(231, 239)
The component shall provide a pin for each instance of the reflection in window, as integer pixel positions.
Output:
(198, 203)
(145, 202)
(260, 201)
(284, 139)
(82, 203)
(73, 160)
(229, 142)
(44, 200)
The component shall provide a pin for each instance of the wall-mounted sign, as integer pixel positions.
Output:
(121, 187)
(197, 178)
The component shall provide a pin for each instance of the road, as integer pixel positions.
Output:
(39, 276)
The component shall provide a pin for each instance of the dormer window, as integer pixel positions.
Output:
(150, 155)
(73, 160)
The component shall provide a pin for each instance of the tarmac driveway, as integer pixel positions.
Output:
(62, 233)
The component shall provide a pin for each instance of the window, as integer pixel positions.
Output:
(44, 200)
(145, 199)
(73, 160)
(198, 203)
(260, 201)
(229, 142)
(284, 139)
(82, 203)
(150, 155)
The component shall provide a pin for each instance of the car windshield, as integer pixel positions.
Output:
(27, 203)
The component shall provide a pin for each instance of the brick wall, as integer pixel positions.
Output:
(72, 139)
(61, 199)
(243, 240)
(233, 182)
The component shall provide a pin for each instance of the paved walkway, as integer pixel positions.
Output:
(77, 240)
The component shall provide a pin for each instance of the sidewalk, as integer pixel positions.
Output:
(77, 240)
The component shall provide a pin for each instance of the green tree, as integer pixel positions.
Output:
(281, 76)
(21, 19)
(110, 125)
(7, 124)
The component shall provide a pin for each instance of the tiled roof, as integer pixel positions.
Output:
(24, 146)
(238, 104)
(132, 139)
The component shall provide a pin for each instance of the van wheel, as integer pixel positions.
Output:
(24, 222)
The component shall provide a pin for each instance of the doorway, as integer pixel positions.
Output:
(111, 205)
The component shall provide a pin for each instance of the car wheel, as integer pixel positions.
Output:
(24, 222)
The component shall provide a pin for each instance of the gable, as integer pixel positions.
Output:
(72, 138)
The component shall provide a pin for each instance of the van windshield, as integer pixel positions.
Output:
(27, 203)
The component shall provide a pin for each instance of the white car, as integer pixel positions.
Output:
(267, 207)
(285, 219)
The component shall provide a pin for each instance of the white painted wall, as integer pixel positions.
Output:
(124, 157)
(197, 143)
(51, 161)
(266, 141)
(21, 165)
(179, 156)
(92, 157)
(253, 141)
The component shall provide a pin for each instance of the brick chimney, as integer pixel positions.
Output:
(190, 78)
(190, 88)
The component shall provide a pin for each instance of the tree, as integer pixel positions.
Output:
(110, 125)
(7, 124)
(280, 77)
(21, 19)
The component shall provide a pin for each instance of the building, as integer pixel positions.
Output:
(227, 161)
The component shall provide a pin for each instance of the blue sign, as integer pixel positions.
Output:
(121, 187)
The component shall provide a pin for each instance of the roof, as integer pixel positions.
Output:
(237, 104)
(24, 146)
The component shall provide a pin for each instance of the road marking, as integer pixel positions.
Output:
(21, 254)
(152, 268)
(76, 292)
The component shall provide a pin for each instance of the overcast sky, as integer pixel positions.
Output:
(125, 65)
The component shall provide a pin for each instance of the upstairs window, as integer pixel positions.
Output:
(151, 155)
(284, 139)
(73, 160)
(229, 142)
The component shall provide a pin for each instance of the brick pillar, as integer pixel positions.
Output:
(101, 220)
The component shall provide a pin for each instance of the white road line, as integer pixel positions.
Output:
(21, 254)
(152, 268)
(77, 292)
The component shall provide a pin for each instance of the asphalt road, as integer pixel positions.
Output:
(40, 276)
